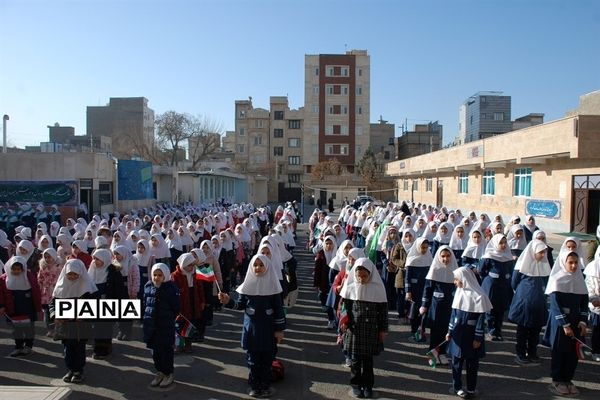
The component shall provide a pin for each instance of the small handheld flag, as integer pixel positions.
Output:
(185, 328)
(434, 354)
(584, 352)
(206, 273)
(344, 318)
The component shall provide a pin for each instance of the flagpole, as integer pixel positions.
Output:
(583, 344)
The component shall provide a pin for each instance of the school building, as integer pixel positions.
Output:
(551, 171)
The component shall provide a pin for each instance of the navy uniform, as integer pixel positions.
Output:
(496, 279)
(437, 298)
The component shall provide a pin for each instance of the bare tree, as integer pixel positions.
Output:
(367, 167)
(331, 167)
(204, 140)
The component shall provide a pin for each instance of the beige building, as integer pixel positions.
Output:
(551, 171)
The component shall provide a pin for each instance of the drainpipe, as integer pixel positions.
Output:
(116, 192)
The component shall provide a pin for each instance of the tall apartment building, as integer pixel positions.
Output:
(483, 115)
(128, 121)
(337, 108)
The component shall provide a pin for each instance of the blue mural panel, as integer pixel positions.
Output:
(135, 180)
(543, 208)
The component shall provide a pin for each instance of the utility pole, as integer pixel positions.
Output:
(4, 119)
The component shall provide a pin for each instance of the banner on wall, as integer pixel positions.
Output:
(63, 193)
(135, 180)
(543, 208)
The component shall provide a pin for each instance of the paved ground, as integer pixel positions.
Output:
(313, 364)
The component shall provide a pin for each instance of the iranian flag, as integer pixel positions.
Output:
(206, 273)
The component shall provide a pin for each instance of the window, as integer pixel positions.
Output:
(336, 149)
(242, 131)
(463, 182)
(386, 155)
(316, 89)
(258, 123)
(405, 185)
(242, 113)
(316, 71)
(498, 116)
(278, 150)
(294, 178)
(315, 109)
(345, 110)
(278, 132)
(359, 90)
(359, 110)
(345, 71)
(429, 185)
(337, 129)
(294, 124)
(240, 148)
(359, 71)
(358, 151)
(522, 182)
(489, 183)
(294, 160)
(278, 115)
(335, 109)
(359, 129)
(415, 184)
(294, 142)
(106, 192)
(345, 90)
(258, 140)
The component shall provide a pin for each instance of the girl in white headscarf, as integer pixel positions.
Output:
(365, 325)
(458, 242)
(398, 261)
(191, 291)
(568, 296)
(528, 306)
(159, 322)
(466, 330)
(496, 270)
(20, 297)
(437, 299)
(442, 236)
(592, 281)
(264, 321)
(73, 283)
(210, 288)
(123, 262)
(516, 240)
(321, 273)
(143, 259)
(474, 251)
(418, 261)
(50, 268)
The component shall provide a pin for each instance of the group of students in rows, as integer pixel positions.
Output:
(155, 255)
(458, 276)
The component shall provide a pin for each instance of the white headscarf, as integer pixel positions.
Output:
(276, 263)
(122, 266)
(165, 271)
(143, 259)
(457, 243)
(527, 264)
(414, 257)
(471, 297)
(492, 249)
(563, 281)
(183, 261)
(17, 282)
(593, 268)
(474, 250)
(439, 271)
(372, 291)
(515, 243)
(329, 254)
(264, 285)
(161, 251)
(408, 244)
(27, 245)
(66, 289)
(99, 274)
(338, 262)
(444, 237)
(175, 241)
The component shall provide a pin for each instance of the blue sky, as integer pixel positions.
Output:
(427, 57)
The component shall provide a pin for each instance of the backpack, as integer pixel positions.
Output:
(277, 370)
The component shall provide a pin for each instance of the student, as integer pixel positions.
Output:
(516, 240)
(143, 259)
(79, 251)
(159, 249)
(365, 301)
(264, 322)
(568, 296)
(530, 228)
(321, 273)
(398, 260)
(388, 240)
(131, 282)
(474, 251)
(541, 235)
(191, 294)
(47, 277)
(437, 299)
(418, 261)
(496, 270)
(161, 298)
(592, 281)
(110, 285)
(465, 330)
(20, 301)
(442, 237)
(528, 307)
(73, 283)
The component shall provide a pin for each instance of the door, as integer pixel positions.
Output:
(580, 210)
(323, 197)
(440, 193)
(593, 219)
